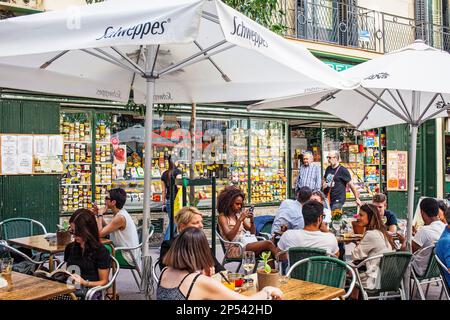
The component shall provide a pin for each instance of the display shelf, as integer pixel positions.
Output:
(77, 163)
(75, 141)
(76, 184)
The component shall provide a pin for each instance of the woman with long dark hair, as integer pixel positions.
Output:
(233, 224)
(189, 261)
(375, 241)
(168, 177)
(86, 254)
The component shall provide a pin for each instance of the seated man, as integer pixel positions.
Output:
(310, 236)
(289, 214)
(443, 246)
(186, 217)
(379, 200)
(121, 228)
(426, 235)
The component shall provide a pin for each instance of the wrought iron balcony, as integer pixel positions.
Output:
(336, 22)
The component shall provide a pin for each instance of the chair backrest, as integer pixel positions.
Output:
(91, 292)
(392, 269)
(299, 253)
(221, 240)
(432, 270)
(13, 251)
(444, 271)
(325, 270)
(20, 227)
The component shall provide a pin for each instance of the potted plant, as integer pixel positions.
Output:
(267, 276)
(63, 235)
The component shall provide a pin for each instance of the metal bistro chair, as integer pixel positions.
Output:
(392, 269)
(325, 270)
(444, 271)
(37, 264)
(136, 267)
(299, 253)
(20, 227)
(432, 273)
(238, 259)
(91, 292)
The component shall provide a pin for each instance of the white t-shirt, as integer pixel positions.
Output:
(127, 237)
(309, 239)
(426, 236)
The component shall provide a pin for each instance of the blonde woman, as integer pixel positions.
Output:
(186, 217)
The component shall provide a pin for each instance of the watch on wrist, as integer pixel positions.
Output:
(99, 215)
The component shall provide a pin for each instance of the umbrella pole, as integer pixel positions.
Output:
(151, 52)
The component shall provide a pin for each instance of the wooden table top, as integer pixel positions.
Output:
(301, 290)
(353, 238)
(26, 287)
(41, 244)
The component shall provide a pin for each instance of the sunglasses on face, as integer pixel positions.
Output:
(330, 157)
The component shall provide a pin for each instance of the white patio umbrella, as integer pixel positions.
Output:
(184, 51)
(409, 86)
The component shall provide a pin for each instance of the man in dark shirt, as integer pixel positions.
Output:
(335, 182)
(186, 217)
(379, 200)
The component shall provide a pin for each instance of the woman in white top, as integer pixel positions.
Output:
(375, 241)
(232, 224)
(121, 227)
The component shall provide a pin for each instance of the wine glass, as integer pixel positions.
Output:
(281, 270)
(248, 262)
(384, 219)
(336, 226)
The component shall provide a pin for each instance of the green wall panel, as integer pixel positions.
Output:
(35, 197)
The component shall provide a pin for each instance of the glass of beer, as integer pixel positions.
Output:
(6, 265)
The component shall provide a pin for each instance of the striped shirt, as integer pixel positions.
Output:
(309, 176)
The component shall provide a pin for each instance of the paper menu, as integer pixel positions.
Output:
(9, 154)
(25, 145)
(41, 146)
(55, 145)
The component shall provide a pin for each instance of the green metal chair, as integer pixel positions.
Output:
(324, 270)
(136, 268)
(432, 273)
(444, 270)
(34, 264)
(20, 227)
(299, 253)
(392, 267)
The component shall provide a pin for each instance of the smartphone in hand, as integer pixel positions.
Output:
(251, 209)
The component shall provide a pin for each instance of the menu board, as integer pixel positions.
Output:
(397, 170)
(23, 154)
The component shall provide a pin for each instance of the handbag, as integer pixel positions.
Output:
(247, 238)
(331, 185)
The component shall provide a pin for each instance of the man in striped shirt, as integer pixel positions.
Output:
(309, 174)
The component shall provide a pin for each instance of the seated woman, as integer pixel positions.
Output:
(87, 254)
(186, 217)
(187, 261)
(232, 224)
(320, 197)
(375, 241)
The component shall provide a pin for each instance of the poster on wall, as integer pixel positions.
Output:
(31, 154)
(397, 170)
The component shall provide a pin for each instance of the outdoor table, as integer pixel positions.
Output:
(39, 243)
(299, 290)
(26, 287)
(353, 238)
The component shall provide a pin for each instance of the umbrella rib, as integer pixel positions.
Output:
(211, 17)
(387, 107)
(428, 107)
(154, 61)
(432, 115)
(108, 60)
(224, 76)
(110, 56)
(400, 105)
(182, 62)
(404, 104)
(128, 59)
(367, 113)
(49, 62)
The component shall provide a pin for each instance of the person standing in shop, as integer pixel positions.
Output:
(168, 177)
(308, 174)
(336, 180)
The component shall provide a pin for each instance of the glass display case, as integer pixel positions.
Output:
(267, 161)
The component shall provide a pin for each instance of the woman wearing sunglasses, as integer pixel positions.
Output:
(86, 255)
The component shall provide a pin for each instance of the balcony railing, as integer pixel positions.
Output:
(337, 22)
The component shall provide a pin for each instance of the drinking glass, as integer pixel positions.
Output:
(336, 226)
(384, 219)
(248, 262)
(6, 265)
(282, 271)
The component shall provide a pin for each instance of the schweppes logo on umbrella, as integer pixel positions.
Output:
(138, 31)
(243, 31)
